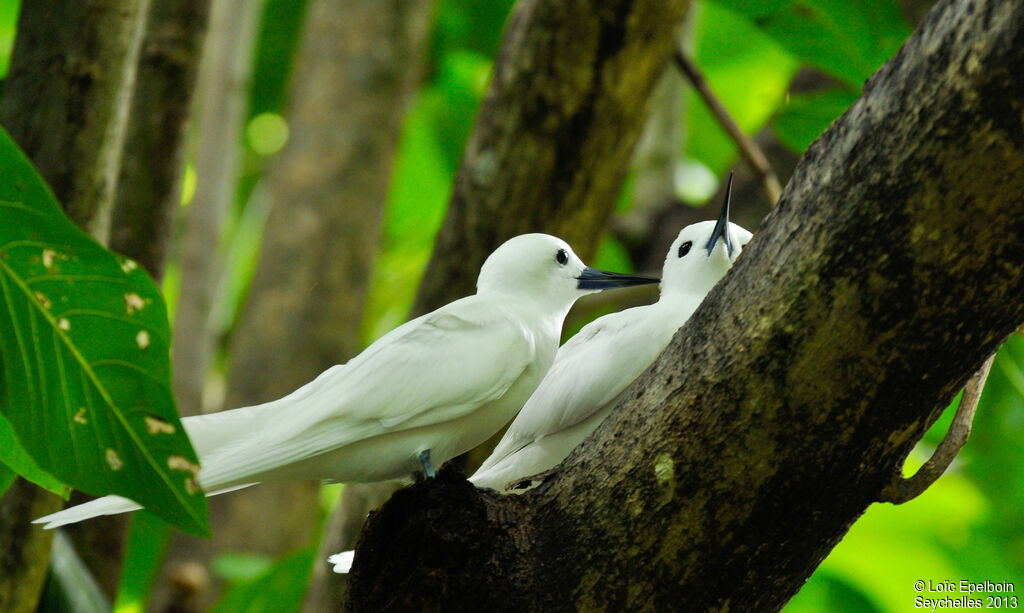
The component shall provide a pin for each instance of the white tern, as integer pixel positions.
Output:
(595, 366)
(425, 392)
(593, 369)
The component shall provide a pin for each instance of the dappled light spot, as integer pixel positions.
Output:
(155, 425)
(142, 339)
(114, 460)
(63, 324)
(134, 302)
(79, 417)
(267, 133)
(43, 300)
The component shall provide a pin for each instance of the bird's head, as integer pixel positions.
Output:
(545, 268)
(703, 253)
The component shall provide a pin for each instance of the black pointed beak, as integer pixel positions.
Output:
(722, 225)
(592, 278)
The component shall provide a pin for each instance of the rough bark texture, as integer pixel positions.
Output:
(65, 102)
(149, 188)
(67, 94)
(554, 133)
(891, 268)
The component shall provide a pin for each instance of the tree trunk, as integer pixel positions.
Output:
(67, 95)
(65, 103)
(554, 133)
(223, 94)
(888, 272)
(149, 189)
(369, 83)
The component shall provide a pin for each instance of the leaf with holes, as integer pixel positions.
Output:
(84, 358)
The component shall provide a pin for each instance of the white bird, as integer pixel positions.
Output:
(593, 369)
(425, 392)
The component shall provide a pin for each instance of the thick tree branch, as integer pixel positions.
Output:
(775, 416)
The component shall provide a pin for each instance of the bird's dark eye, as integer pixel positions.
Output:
(685, 248)
(562, 257)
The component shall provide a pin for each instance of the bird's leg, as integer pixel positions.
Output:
(428, 468)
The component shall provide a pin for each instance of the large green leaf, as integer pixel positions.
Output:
(84, 345)
(748, 71)
(848, 40)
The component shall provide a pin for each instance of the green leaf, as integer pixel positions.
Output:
(748, 71)
(848, 40)
(85, 351)
(14, 457)
(143, 558)
(805, 116)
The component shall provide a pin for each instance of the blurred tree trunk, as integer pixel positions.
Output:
(65, 103)
(222, 92)
(357, 66)
(555, 132)
(224, 75)
(149, 189)
(889, 271)
(395, 35)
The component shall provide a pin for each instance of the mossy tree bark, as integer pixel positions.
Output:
(65, 103)
(890, 269)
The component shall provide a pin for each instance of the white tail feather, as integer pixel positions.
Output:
(108, 505)
(342, 561)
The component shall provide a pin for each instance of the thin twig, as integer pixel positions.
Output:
(749, 150)
(901, 490)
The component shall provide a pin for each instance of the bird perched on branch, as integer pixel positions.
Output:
(425, 392)
(593, 369)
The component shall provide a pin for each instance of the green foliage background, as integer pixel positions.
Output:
(964, 527)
